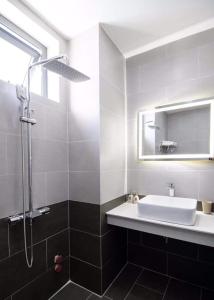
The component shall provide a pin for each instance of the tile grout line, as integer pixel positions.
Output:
(195, 259)
(86, 262)
(115, 279)
(43, 240)
(169, 280)
(171, 277)
(46, 253)
(34, 279)
(150, 289)
(8, 241)
(134, 284)
(201, 293)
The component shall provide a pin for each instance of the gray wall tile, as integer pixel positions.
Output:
(50, 149)
(39, 190)
(205, 58)
(57, 187)
(85, 187)
(180, 71)
(84, 156)
(206, 187)
(112, 120)
(111, 185)
(50, 155)
(11, 195)
(3, 154)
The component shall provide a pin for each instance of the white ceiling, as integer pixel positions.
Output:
(130, 23)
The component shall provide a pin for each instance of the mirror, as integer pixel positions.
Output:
(179, 131)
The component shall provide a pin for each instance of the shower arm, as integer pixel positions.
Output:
(38, 63)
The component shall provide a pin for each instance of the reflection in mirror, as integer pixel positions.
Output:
(177, 131)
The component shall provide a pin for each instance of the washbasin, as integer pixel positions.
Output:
(168, 209)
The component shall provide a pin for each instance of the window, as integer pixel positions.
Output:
(17, 51)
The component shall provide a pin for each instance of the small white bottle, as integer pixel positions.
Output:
(171, 190)
(135, 198)
(130, 198)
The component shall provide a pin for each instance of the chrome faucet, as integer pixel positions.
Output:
(171, 188)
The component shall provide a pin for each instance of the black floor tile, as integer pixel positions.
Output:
(147, 257)
(57, 244)
(141, 293)
(134, 236)
(95, 297)
(153, 240)
(207, 295)
(51, 223)
(112, 268)
(124, 282)
(16, 236)
(43, 226)
(113, 243)
(182, 248)
(206, 254)
(191, 271)
(14, 273)
(4, 252)
(86, 247)
(178, 290)
(85, 217)
(106, 207)
(71, 291)
(44, 286)
(86, 275)
(154, 281)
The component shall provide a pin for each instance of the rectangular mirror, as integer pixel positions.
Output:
(179, 131)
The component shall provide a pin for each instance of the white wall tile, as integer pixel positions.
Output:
(206, 187)
(57, 187)
(84, 156)
(10, 195)
(111, 185)
(85, 187)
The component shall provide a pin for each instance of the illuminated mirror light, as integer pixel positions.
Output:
(209, 155)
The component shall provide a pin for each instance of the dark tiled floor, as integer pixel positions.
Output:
(136, 283)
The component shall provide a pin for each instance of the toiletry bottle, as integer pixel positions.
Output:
(171, 190)
(135, 198)
(130, 198)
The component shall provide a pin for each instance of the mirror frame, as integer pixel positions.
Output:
(199, 156)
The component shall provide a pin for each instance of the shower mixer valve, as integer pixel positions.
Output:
(31, 215)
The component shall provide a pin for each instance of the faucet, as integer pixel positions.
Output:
(171, 188)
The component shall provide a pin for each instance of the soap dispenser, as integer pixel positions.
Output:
(171, 190)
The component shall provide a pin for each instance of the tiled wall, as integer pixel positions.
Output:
(177, 259)
(96, 161)
(180, 71)
(112, 120)
(50, 158)
(97, 251)
(50, 237)
(84, 120)
(50, 187)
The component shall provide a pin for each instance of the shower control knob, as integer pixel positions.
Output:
(58, 259)
(58, 268)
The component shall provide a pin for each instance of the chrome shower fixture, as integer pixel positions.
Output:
(65, 70)
(57, 65)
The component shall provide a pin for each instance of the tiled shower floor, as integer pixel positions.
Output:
(135, 283)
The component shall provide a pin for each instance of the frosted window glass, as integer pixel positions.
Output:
(14, 63)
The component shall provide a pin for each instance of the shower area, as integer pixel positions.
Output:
(55, 172)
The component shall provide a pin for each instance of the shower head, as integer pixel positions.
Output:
(66, 71)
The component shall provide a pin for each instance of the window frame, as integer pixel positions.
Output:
(22, 40)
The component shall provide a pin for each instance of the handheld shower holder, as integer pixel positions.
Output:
(28, 120)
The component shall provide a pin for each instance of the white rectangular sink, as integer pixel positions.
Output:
(168, 209)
